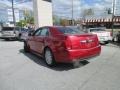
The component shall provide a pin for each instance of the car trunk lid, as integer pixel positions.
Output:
(83, 41)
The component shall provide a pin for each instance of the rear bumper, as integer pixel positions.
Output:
(7, 37)
(70, 56)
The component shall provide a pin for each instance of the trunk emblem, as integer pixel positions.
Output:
(86, 41)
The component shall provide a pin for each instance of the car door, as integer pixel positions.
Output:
(40, 40)
(32, 39)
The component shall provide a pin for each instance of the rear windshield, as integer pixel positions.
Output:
(9, 28)
(94, 30)
(70, 30)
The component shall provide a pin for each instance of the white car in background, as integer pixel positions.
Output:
(103, 35)
(9, 33)
(25, 33)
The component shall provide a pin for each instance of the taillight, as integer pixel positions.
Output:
(67, 43)
(97, 40)
(110, 33)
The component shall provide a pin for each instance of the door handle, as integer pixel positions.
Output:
(38, 40)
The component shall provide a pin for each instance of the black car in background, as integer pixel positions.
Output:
(118, 37)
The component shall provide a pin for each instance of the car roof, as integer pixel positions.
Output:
(60, 26)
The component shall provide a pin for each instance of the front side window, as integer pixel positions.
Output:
(37, 32)
(41, 32)
(44, 32)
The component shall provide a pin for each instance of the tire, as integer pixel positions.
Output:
(19, 37)
(104, 43)
(49, 58)
(26, 48)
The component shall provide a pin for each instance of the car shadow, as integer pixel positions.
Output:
(58, 67)
(3, 40)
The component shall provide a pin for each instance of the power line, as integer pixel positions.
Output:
(22, 2)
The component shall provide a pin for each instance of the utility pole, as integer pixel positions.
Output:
(72, 12)
(113, 17)
(13, 11)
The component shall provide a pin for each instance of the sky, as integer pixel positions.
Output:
(21, 4)
(63, 8)
(6, 4)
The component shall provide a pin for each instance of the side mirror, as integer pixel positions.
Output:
(29, 34)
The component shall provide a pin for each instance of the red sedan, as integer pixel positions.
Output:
(62, 44)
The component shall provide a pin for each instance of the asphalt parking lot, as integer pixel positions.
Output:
(20, 71)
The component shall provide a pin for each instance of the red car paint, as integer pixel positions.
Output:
(65, 47)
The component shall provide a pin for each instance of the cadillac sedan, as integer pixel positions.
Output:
(62, 44)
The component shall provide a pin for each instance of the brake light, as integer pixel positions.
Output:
(110, 33)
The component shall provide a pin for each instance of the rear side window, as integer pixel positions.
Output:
(7, 28)
(70, 30)
(44, 32)
(10, 28)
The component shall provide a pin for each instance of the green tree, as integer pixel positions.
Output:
(29, 19)
(22, 23)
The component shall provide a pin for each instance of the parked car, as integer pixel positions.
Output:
(62, 44)
(8, 33)
(23, 34)
(118, 37)
(103, 35)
